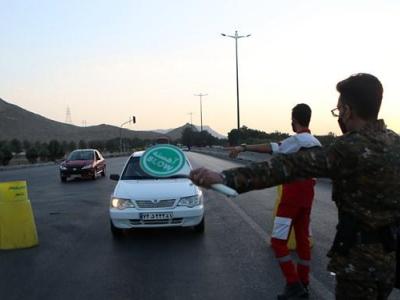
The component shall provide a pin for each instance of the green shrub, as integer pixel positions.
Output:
(32, 155)
(5, 155)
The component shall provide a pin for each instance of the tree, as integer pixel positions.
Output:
(326, 140)
(26, 145)
(55, 150)
(234, 137)
(5, 154)
(64, 146)
(15, 146)
(71, 146)
(82, 144)
(32, 155)
(97, 144)
(253, 136)
(43, 152)
(188, 136)
(112, 145)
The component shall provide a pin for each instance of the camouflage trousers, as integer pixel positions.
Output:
(348, 289)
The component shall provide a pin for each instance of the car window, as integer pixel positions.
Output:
(97, 155)
(133, 171)
(81, 155)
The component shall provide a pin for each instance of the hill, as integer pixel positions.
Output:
(16, 122)
(177, 132)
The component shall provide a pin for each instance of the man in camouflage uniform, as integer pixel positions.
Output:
(364, 165)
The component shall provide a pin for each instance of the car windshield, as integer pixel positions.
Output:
(133, 171)
(81, 155)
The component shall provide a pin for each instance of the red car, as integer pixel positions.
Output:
(85, 163)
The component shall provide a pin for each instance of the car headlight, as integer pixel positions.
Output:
(121, 203)
(87, 167)
(191, 201)
(63, 167)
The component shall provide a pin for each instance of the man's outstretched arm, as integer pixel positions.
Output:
(320, 162)
(260, 148)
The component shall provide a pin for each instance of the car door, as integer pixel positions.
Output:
(100, 165)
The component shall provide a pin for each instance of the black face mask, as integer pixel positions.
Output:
(342, 125)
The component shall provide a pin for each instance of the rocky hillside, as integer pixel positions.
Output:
(16, 122)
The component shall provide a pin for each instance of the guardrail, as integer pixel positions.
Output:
(52, 163)
(243, 157)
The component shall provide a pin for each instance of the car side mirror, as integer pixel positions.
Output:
(114, 177)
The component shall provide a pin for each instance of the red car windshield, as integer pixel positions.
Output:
(81, 155)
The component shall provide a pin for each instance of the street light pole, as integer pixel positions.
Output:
(236, 37)
(120, 132)
(201, 109)
(191, 119)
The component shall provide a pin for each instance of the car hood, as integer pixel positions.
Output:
(155, 189)
(77, 163)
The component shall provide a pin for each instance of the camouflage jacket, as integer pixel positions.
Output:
(364, 166)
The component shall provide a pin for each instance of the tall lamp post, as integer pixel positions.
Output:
(133, 120)
(201, 109)
(236, 37)
(191, 119)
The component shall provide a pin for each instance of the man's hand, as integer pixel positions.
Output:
(234, 151)
(205, 177)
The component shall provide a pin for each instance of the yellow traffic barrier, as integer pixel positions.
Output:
(17, 224)
(292, 236)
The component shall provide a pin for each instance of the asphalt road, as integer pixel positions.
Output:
(78, 259)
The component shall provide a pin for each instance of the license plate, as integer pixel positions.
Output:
(155, 216)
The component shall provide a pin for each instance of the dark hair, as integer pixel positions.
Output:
(363, 93)
(302, 114)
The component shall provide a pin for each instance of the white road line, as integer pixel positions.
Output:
(317, 286)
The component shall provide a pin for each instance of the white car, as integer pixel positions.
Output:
(143, 201)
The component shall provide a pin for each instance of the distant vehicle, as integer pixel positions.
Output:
(85, 163)
(142, 201)
(162, 140)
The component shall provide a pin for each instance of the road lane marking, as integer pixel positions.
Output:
(317, 286)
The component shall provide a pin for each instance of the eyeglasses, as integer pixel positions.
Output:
(335, 112)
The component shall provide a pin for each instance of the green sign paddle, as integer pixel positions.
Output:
(162, 160)
(165, 160)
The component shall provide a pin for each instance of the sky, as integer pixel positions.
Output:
(109, 60)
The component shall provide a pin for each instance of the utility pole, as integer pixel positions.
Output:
(236, 37)
(201, 109)
(191, 119)
(133, 120)
(68, 117)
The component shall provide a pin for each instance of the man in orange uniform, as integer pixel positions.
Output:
(294, 208)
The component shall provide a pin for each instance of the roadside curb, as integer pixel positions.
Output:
(27, 166)
(17, 167)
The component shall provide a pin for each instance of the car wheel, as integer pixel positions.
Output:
(199, 228)
(103, 173)
(63, 179)
(94, 174)
(116, 232)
